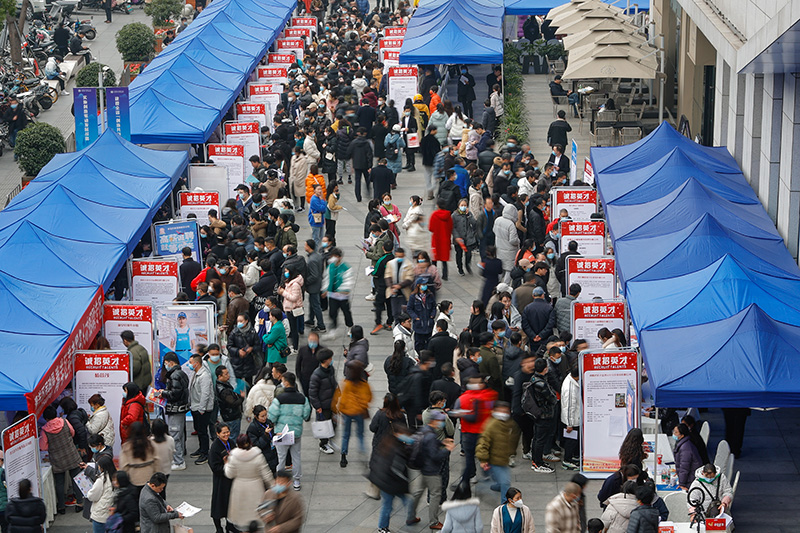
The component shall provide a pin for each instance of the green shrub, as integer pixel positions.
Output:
(36, 146)
(87, 76)
(136, 42)
(514, 122)
(163, 10)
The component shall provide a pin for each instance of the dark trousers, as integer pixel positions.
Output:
(397, 303)
(294, 328)
(421, 341)
(467, 107)
(333, 309)
(541, 432)
(735, 420)
(382, 302)
(108, 14)
(487, 240)
(571, 454)
(201, 422)
(443, 268)
(330, 227)
(59, 479)
(525, 424)
(468, 443)
(555, 432)
(460, 256)
(410, 160)
(358, 173)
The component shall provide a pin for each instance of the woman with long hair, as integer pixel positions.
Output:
(138, 456)
(261, 430)
(631, 451)
(251, 477)
(619, 338)
(261, 393)
(455, 125)
(332, 214)
(446, 309)
(102, 494)
(220, 485)
(163, 444)
(478, 323)
(351, 400)
(292, 292)
(132, 410)
(126, 501)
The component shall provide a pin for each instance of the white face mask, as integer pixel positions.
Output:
(501, 416)
(473, 386)
(517, 504)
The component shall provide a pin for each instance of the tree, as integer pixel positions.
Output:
(136, 42)
(14, 25)
(36, 145)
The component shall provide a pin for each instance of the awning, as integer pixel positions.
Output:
(548, 7)
(613, 62)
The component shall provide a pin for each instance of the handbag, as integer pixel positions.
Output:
(298, 311)
(713, 509)
(317, 218)
(322, 429)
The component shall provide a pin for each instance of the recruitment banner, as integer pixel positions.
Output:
(198, 203)
(272, 75)
(135, 317)
(590, 236)
(154, 280)
(609, 392)
(119, 111)
(102, 372)
(231, 158)
(402, 85)
(588, 173)
(21, 456)
(291, 46)
(580, 202)
(390, 43)
(248, 134)
(59, 374)
(277, 60)
(304, 22)
(251, 111)
(590, 317)
(597, 276)
(169, 238)
(265, 93)
(85, 106)
(298, 33)
(390, 58)
(394, 31)
(182, 328)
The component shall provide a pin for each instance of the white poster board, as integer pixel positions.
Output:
(590, 317)
(402, 85)
(21, 459)
(103, 372)
(580, 202)
(304, 22)
(590, 236)
(272, 75)
(588, 173)
(253, 112)
(268, 94)
(597, 276)
(609, 392)
(135, 317)
(154, 280)
(182, 328)
(394, 31)
(280, 60)
(247, 134)
(291, 46)
(390, 58)
(198, 203)
(208, 178)
(231, 158)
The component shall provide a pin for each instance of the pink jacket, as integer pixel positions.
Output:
(293, 294)
(53, 426)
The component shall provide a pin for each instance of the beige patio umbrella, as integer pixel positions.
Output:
(604, 28)
(578, 11)
(575, 5)
(638, 46)
(588, 20)
(613, 61)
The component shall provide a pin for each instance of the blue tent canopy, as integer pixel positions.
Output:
(454, 32)
(60, 243)
(542, 7)
(710, 285)
(183, 93)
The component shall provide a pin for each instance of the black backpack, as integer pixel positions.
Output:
(529, 405)
(392, 152)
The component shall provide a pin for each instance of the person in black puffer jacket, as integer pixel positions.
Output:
(388, 467)
(177, 395)
(321, 389)
(26, 513)
(261, 430)
(127, 502)
(397, 367)
(77, 418)
(344, 135)
(644, 518)
(241, 341)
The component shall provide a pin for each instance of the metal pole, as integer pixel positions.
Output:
(662, 80)
(503, 79)
(102, 92)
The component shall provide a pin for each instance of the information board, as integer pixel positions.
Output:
(580, 203)
(304, 22)
(291, 46)
(390, 58)
(272, 75)
(231, 158)
(170, 238)
(268, 94)
(609, 392)
(590, 317)
(21, 456)
(247, 134)
(282, 59)
(390, 43)
(588, 173)
(394, 31)
(402, 85)
(253, 112)
(135, 317)
(198, 203)
(597, 276)
(154, 280)
(208, 178)
(103, 372)
(590, 236)
(181, 328)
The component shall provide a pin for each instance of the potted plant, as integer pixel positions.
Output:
(137, 43)
(538, 50)
(36, 145)
(162, 12)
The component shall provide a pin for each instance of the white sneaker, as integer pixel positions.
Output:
(296, 485)
(551, 458)
(64, 93)
(181, 466)
(369, 297)
(511, 462)
(327, 450)
(527, 456)
(544, 469)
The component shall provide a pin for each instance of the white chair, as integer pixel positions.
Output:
(734, 487)
(705, 431)
(678, 506)
(723, 452)
(729, 467)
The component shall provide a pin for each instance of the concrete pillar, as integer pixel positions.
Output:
(751, 154)
(666, 21)
(788, 217)
(736, 101)
(722, 101)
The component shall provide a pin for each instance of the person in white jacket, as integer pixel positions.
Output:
(310, 147)
(102, 494)
(517, 513)
(100, 421)
(571, 418)
(507, 239)
(446, 313)
(618, 509)
(251, 274)
(201, 403)
(261, 393)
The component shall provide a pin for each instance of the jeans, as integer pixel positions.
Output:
(200, 421)
(541, 432)
(571, 454)
(434, 486)
(59, 479)
(235, 426)
(502, 476)
(294, 329)
(358, 174)
(347, 420)
(386, 507)
(294, 449)
(316, 234)
(177, 429)
(459, 255)
(382, 303)
(98, 527)
(430, 183)
(108, 14)
(397, 304)
(468, 443)
(315, 303)
(344, 166)
(333, 310)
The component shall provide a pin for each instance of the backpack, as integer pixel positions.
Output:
(529, 405)
(392, 152)
(450, 197)
(114, 523)
(416, 458)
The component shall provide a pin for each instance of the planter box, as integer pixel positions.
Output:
(161, 32)
(134, 68)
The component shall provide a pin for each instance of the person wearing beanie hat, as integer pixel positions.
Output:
(322, 386)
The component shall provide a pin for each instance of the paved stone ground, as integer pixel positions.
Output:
(768, 490)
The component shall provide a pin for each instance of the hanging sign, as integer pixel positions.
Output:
(272, 75)
(198, 203)
(154, 280)
(402, 85)
(610, 392)
(119, 111)
(248, 134)
(230, 157)
(304, 22)
(590, 317)
(590, 236)
(597, 276)
(137, 318)
(250, 111)
(580, 203)
(395, 31)
(21, 456)
(280, 59)
(170, 238)
(291, 46)
(104, 373)
(85, 105)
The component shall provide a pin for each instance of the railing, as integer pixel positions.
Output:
(10, 196)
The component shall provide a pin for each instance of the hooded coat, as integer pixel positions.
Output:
(441, 227)
(506, 237)
(463, 516)
(618, 512)
(251, 477)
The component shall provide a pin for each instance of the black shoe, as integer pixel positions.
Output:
(201, 460)
(309, 322)
(339, 181)
(406, 167)
(196, 453)
(412, 169)
(461, 273)
(78, 508)
(469, 270)
(343, 462)
(62, 511)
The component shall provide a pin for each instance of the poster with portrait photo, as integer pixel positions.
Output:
(181, 329)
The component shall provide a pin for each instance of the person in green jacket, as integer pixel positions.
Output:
(140, 361)
(489, 365)
(275, 340)
(496, 445)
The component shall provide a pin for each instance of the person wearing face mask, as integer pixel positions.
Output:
(512, 516)
(100, 419)
(466, 90)
(563, 309)
(17, 120)
(422, 310)
(176, 392)
(399, 276)
(571, 418)
(559, 161)
(687, 458)
(474, 409)
(388, 209)
(465, 236)
(496, 445)
(286, 516)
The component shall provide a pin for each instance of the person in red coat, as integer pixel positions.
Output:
(441, 227)
(132, 409)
